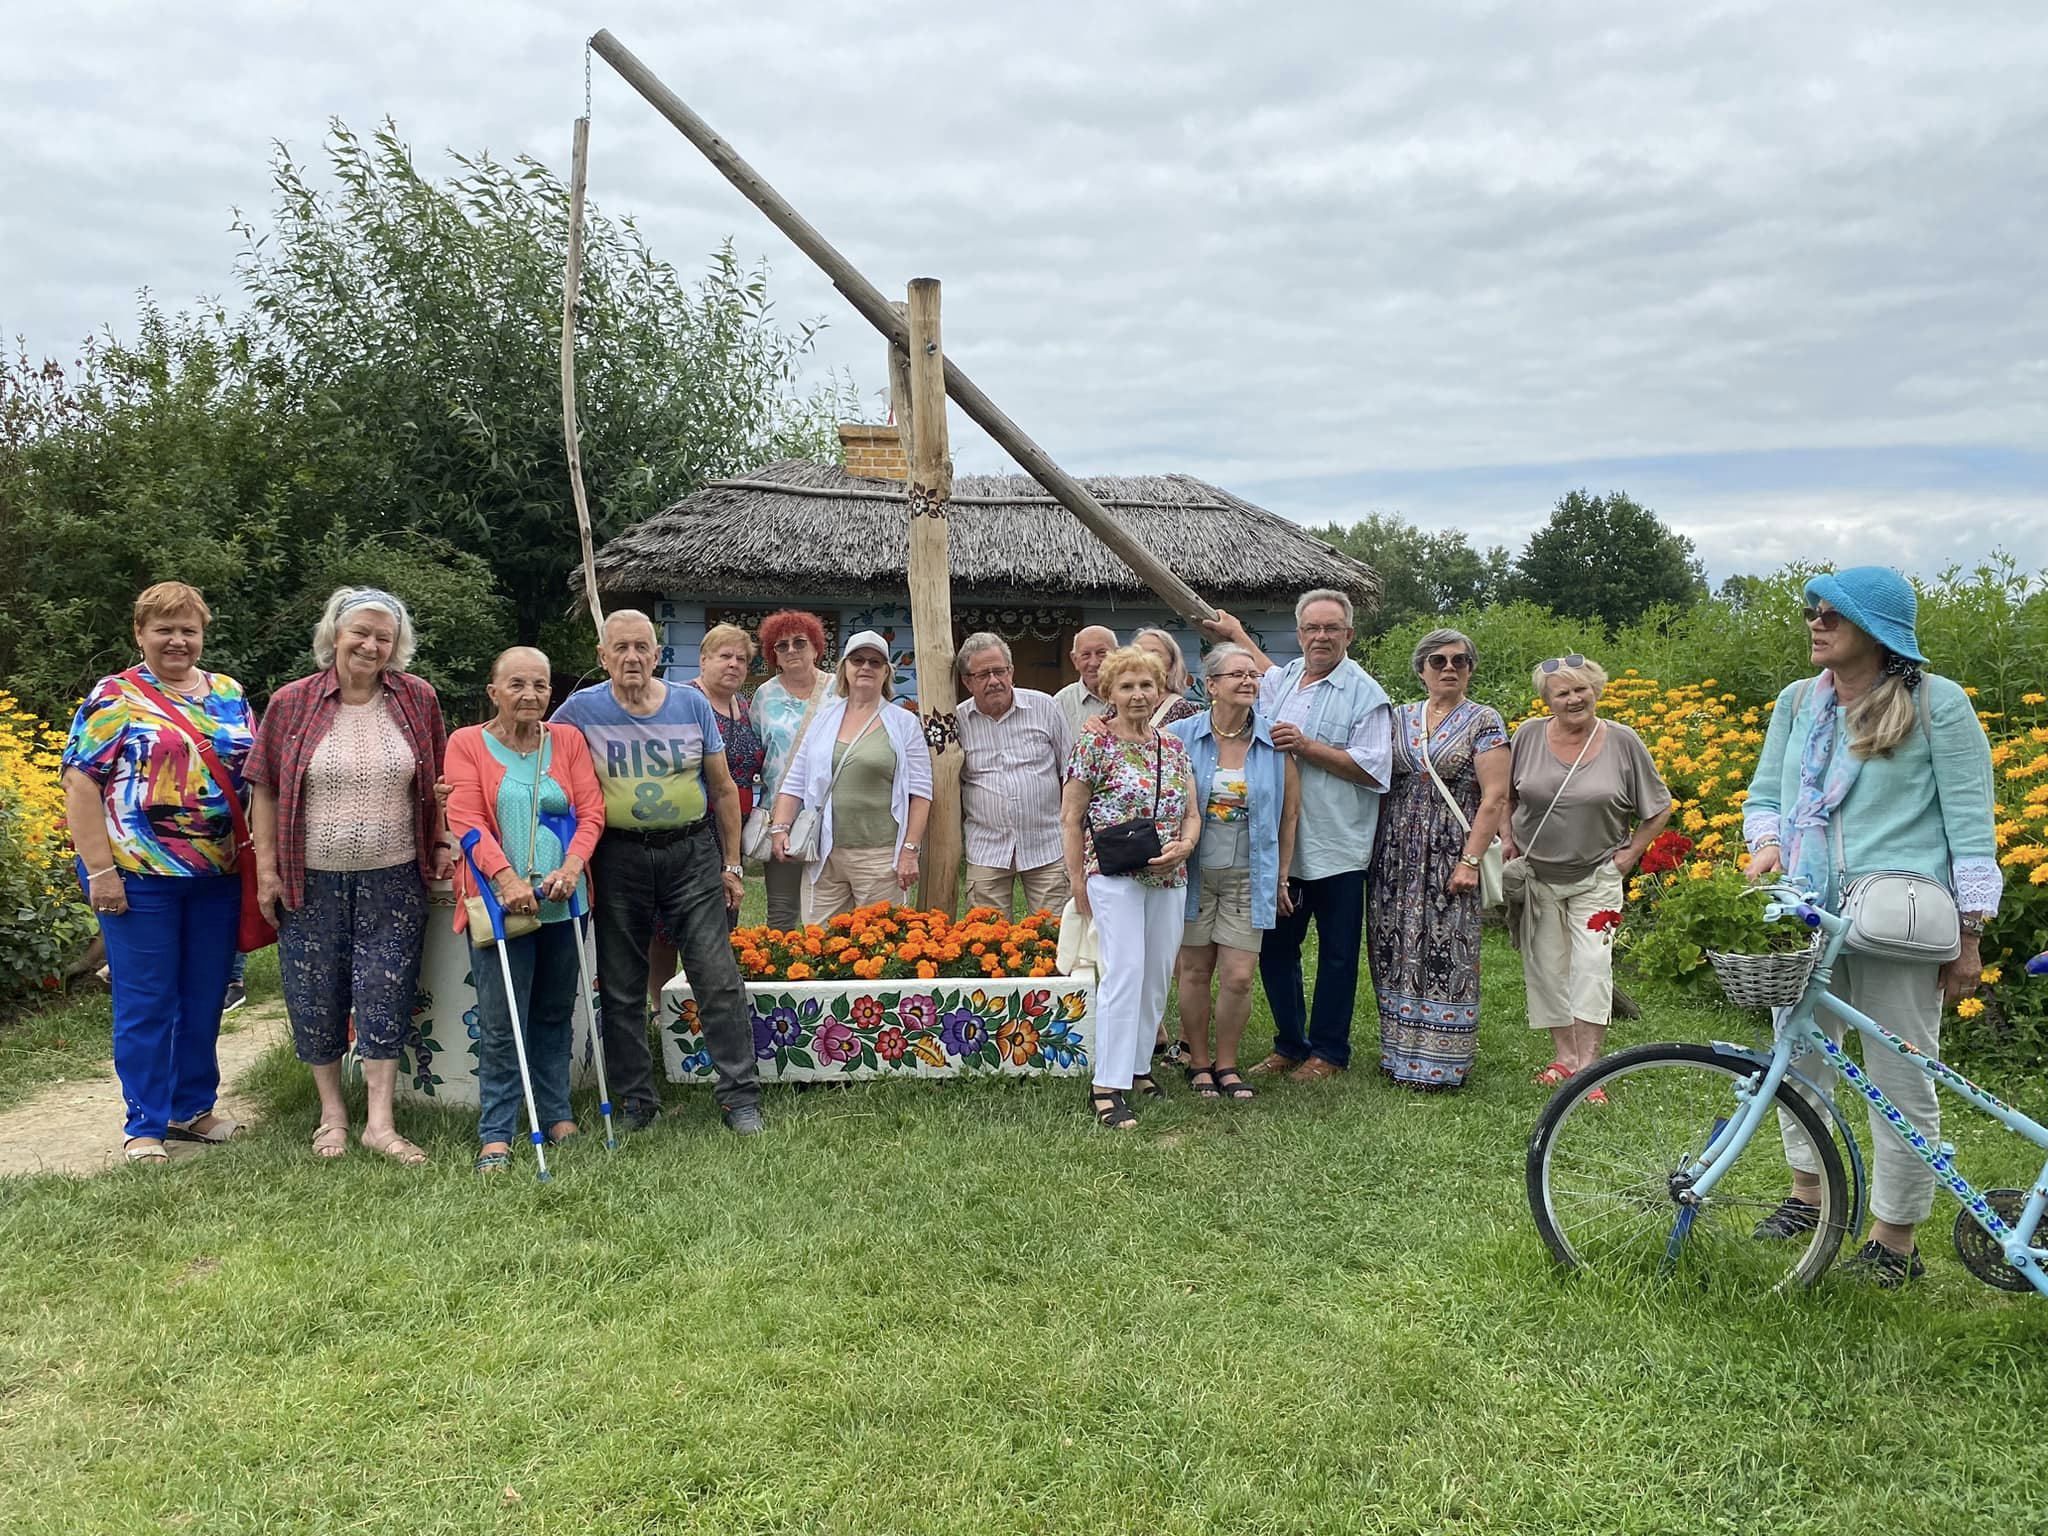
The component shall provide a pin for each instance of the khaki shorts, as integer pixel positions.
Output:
(1223, 915)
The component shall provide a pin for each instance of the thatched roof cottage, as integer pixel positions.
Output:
(816, 536)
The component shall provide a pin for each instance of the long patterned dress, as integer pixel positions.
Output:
(1424, 942)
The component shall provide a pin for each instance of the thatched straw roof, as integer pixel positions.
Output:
(800, 528)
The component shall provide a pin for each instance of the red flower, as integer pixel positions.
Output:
(890, 1044)
(1666, 852)
(1604, 922)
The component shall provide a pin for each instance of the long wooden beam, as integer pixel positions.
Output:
(931, 594)
(866, 298)
(572, 438)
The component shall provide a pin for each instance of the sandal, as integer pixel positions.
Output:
(330, 1141)
(1203, 1081)
(1233, 1087)
(397, 1148)
(1148, 1085)
(144, 1149)
(213, 1128)
(1552, 1075)
(1111, 1111)
(493, 1162)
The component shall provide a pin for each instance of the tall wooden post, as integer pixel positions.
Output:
(572, 439)
(931, 594)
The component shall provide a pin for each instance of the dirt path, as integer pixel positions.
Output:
(75, 1127)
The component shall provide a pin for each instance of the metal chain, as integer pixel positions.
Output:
(586, 80)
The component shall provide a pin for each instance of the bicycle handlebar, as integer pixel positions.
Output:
(2038, 966)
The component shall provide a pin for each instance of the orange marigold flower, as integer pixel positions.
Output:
(799, 972)
(926, 970)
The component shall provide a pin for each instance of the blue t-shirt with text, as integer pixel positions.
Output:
(651, 766)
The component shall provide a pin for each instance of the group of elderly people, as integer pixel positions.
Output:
(1201, 842)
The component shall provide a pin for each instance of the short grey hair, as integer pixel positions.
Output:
(1177, 661)
(1324, 595)
(1220, 653)
(1436, 640)
(344, 601)
(981, 640)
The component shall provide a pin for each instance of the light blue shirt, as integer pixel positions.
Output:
(1347, 710)
(1265, 782)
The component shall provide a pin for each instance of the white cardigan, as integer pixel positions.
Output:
(810, 773)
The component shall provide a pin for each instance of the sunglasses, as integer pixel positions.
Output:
(864, 659)
(1558, 662)
(1448, 663)
(794, 643)
(1822, 618)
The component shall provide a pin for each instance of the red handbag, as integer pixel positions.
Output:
(255, 930)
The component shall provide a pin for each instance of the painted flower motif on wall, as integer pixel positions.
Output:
(868, 1012)
(918, 1011)
(962, 1032)
(1017, 1040)
(891, 1043)
(834, 1041)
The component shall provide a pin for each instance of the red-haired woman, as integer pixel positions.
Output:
(783, 708)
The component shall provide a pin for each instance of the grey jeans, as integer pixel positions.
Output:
(1905, 997)
(680, 883)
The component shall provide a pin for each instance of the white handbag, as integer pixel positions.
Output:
(1492, 879)
(756, 841)
(1898, 914)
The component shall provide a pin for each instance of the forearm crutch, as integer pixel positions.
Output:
(540, 1151)
(563, 825)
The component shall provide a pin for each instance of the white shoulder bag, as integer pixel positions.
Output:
(1898, 914)
(756, 841)
(1492, 882)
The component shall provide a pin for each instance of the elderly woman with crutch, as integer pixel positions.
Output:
(511, 781)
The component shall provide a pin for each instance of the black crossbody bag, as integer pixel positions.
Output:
(1129, 846)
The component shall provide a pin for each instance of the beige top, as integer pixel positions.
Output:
(1617, 785)
(359, 810)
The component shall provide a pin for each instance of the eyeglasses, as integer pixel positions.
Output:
(1450, 663)
(1823, 619)
(793, 643)
(1319, 630)
(865, 659)
(1242, 675)
(1557, 662)
(988, 672)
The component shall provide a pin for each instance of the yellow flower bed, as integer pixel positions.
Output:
(43, 919)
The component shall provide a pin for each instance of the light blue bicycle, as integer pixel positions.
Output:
(1655, 1181)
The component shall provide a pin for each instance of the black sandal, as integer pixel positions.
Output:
(1148, 1085)
(1203, 1081)
(1232, 1086)
(1111, 1111)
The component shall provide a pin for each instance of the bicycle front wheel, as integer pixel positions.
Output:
(1610, 1183)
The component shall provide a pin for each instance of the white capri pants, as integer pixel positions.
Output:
(1905, 997)
(1567, 967)
(1137, 930)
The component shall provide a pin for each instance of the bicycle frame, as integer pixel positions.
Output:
(1797, 1030)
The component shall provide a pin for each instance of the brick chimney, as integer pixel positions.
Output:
(873, 452)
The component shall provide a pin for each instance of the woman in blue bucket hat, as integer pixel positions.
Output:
(1873, 765)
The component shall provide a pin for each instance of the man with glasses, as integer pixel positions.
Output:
(661, 762)
(1079, 700)
(1014, 743)
(1332, 717)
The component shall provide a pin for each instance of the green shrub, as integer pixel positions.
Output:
(1683, 914)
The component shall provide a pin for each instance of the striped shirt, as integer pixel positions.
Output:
(1010, 778)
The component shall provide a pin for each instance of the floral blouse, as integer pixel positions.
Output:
(1120, 779)
(778, 715)
(165, 813)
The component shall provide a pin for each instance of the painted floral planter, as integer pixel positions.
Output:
(849, 1031)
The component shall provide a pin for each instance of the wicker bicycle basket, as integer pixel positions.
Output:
(1766, 981)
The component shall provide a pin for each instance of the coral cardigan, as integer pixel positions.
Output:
(474, 775)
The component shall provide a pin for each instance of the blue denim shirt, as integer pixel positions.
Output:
(1265, 782)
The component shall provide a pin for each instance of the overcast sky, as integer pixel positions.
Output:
(1776, 270)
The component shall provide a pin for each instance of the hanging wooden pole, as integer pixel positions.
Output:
(865, 297)
(931, 595)
(572, 287)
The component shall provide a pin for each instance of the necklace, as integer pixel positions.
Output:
(1237, 735)
(512, 740)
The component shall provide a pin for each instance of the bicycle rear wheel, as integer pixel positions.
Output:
(1608, 1183)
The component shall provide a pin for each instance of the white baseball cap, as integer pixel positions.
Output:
(866, 640)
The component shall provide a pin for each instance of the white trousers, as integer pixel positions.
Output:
(1905, 997)
(1138, 929)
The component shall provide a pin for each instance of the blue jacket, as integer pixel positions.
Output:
(1927, 807)
(1265, 782)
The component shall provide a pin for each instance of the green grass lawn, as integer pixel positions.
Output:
(960, 1309)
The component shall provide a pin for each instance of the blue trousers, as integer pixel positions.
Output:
(1336, 904)
(545, 977)
(169, 956)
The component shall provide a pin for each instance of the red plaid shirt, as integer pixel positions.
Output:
(296, 721)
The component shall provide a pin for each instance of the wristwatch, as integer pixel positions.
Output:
(736, 869)
(1973, 924)
(910, 847)
(1469, 860)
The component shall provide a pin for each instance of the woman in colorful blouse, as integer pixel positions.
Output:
(783, 707)
(1130, 772)
(348, 834)
(155, 838)
(1250, 795)
(503, 778)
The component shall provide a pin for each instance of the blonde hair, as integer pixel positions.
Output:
(721, 635)
(1128, 658)
(167, 598)
(1177, 667)
(1588, 671)
(1882, 718)
(888, 674)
